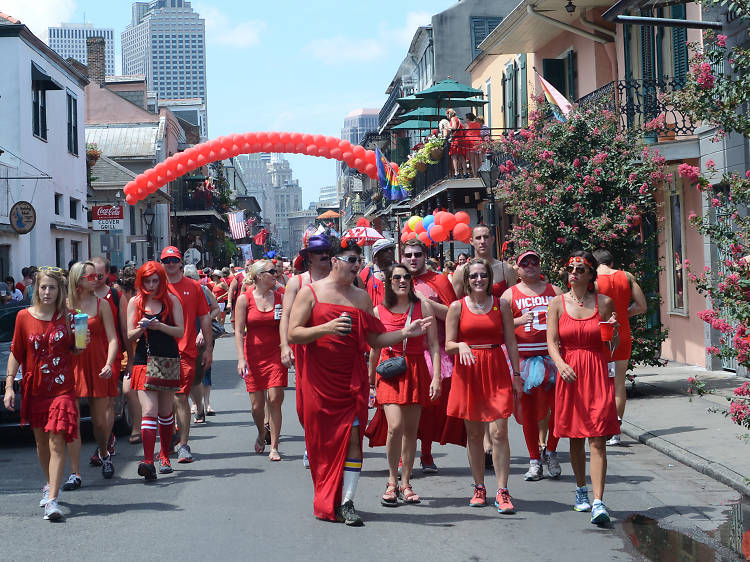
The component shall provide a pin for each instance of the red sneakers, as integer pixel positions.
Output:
(479, 499)
(503, 503)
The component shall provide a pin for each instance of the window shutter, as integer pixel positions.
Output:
(510, 97)
(679, 47)
(647, 49)
(572, 75)
(524, 90)
(480, 29)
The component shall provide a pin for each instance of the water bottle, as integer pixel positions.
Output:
(277, 312)
(81, 329)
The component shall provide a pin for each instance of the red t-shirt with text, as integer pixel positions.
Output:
(194, 304)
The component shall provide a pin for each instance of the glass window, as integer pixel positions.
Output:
(60, 252)
(675, 234)
(58, 203)
(39, 105)
(72, 124)
(74, 206)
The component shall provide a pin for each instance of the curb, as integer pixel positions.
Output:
(710, 468)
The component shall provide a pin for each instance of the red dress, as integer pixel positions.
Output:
(88, 364)
(262, 351)
(482, 391)
(617, 287)
(336, 388)
(43, 348)
(411, 387)
(473, 136)
(586, 406)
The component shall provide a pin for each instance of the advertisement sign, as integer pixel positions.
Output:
(107, 217)
(22, 217)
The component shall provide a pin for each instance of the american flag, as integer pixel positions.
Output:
(237, 224)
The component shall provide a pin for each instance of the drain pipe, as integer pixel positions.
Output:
(567, 27)
(597, 27)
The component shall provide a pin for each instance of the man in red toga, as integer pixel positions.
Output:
(434, 424)
(194, 307)
(334, 319)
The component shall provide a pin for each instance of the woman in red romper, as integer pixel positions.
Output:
(402, 396)
(43, 345)
(584, 395)
(482, 389)
(97, 369)
(259, 310)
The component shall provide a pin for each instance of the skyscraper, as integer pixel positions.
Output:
(69, 40)
(166, 41)
(358, 123)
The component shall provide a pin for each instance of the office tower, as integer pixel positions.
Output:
(69, 40)
(358, 123)
(165, 41)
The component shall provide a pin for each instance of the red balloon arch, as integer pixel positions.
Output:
(355, 156)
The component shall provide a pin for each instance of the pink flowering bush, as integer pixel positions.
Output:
(586, 184)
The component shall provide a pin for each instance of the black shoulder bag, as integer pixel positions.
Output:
(395, 366)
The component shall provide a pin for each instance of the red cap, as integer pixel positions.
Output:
(170, 252)
(527, 253)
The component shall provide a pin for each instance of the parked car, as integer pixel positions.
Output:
(10, 419)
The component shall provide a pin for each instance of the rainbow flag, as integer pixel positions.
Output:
(388, 178)
(560, 105)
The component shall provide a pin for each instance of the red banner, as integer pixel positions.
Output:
(106, 212)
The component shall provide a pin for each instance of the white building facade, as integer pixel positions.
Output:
(42, 153)
(69, 40)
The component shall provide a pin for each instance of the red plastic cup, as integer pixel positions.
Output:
(608, 330)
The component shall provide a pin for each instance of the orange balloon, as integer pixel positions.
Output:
(462, 232)
(438, 233)
(448, 221)
(412, 235)
(463, 217)
(425, 239)
(419, 228)
(405, 237)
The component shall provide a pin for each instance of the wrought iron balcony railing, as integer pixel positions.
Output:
(638, 102)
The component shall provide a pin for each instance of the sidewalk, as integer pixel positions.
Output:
(660, 414)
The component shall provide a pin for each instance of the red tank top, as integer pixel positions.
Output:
(617, 287)
(481, 329)
(391, 321)
(262, 327)
(531, 337)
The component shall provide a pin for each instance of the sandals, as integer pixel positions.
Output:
(199, 418)
(407, 495)
(390, 497)
(274, 455)
(134, 439)
(260, 445)
(210, 411)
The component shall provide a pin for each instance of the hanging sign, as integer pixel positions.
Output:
(107, 217)
(22, 217)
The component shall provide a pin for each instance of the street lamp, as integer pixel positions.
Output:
(489, 173)
(148, 218)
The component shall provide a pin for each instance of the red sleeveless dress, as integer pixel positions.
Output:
(336, 388)
(482, 391)
(617, 287)
(586, 406)
(299, 356)
(88, 364)
(262, 351)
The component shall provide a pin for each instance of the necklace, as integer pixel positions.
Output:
(578, 301)
(482, 308)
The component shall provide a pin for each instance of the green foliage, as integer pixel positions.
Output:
(584, 184)
(225, 199)
(409, 169)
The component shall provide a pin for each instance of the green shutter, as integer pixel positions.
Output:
(510, 96)
(647, 49)
(572, 75)
(480, 29)
(679, 47)
(524, 90)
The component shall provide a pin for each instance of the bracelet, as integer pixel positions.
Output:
(516, 374)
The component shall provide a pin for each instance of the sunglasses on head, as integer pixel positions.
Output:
(414, 255)
(578, 269)
(525, 262)
(399, 276)
(349, 259)
(482, 275)
(50, 268)
(170, 260)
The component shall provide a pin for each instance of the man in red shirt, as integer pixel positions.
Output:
(374, 276)
(195, 311)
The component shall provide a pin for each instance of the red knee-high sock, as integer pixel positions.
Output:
(166, 428)
(148, 436)
(530, 424)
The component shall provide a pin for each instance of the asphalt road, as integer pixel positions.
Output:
(233, 504)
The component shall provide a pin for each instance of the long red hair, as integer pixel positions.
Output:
(162, 294)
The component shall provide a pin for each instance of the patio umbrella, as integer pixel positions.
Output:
(363, 235)
(412, 102)
(422, 113)
(414, 124)
(449, 89)
(329, 215)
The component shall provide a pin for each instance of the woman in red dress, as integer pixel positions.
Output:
(221, 292)
(457, 150)
(155, 322)
(482, 389)
(584, 393)
(259, 311)
(96, 368)
(43, 345)
(403, 396)
(473, 141)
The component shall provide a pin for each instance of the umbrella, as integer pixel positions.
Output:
(329, 215)
(423, 113)
(449, 89)
(414, 124)
(412, 102)
(363, 235)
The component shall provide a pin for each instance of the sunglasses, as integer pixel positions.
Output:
(580, 269)
(526, 262)
(349, 259)
(50, 268)
(90, 277)
(271, 271)
(478, 276)
(170, 260)
(414, 255)
(399, 277)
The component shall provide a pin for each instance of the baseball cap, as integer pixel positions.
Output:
(527, 253)
(382, 244)
(170, 252)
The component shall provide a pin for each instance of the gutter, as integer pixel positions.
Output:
(668, 22)
(566, 27)
(597, 27)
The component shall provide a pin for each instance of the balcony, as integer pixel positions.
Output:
(638, 102)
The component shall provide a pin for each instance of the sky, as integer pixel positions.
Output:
(285, 65)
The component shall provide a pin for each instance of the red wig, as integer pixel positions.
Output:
(162, 293)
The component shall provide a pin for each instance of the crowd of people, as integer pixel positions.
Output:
(443, 357)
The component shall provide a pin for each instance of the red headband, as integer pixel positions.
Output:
(578, 260)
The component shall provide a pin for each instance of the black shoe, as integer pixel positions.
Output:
(268, 434)
(108, 469)
(95, 459)
(348, 515)
(147, 470)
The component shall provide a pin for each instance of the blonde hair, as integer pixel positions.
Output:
(74, 277)
(257, 267)
(59, 278)
(450, 112)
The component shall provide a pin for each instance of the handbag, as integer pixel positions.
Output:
(395, 366)
(162, 373)
(217, 329)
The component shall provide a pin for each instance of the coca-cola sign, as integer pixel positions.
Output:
(106, 212)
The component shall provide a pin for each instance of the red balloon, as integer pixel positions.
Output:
(438, 217)
(289, 146)
(284, 137)
(405, 237)
(296, 137)
(463, 217)
(332, 142)
(130, 186)
(448, 221)
(324, 151)
(140, 193)
(131, 200)
(347, 156)
(299, 147)
(345, 146)
(336, 153)
(359, 151)
(319, 140)
(370, 156)
(201, 159)
(412, 235)
(170, 175)
(307, 139)
(273, 136)
(227, 143)
(424, 238)
(438, 233)
(311, 149)
(249, 138)
(371, 170)
(419, 228)
(267, 147)
(261, 138)
(462, 232)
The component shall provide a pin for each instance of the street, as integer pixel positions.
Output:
(233, 504)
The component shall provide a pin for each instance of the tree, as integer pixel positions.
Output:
(585, 184)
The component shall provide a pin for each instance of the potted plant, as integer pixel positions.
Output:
(92, 154)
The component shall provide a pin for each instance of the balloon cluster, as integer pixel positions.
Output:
(437, 227)
(355, 156)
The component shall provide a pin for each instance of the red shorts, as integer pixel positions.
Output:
(187, 374)
(58, 414)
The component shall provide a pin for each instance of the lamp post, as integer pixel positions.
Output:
(489, 173)
(148, 219)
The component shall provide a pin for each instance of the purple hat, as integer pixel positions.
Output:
(316, 243)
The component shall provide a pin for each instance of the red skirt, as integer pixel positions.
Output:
(411, 387)
(269, 376)
(58, 414)
(482, 391)
(87, 367)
